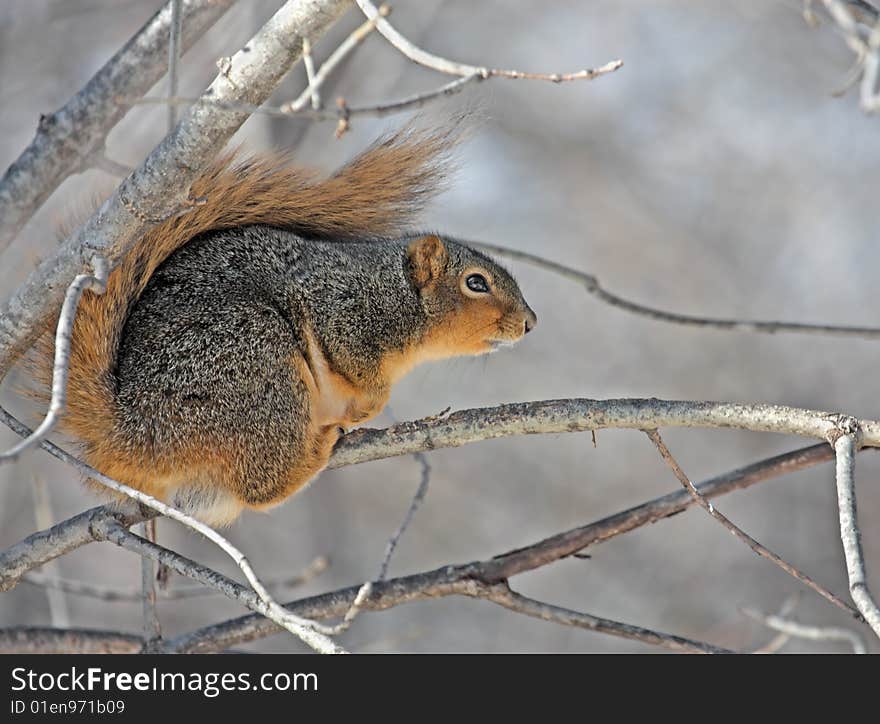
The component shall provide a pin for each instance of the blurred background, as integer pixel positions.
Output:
(713, 174)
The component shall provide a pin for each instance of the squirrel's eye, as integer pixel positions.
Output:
(477, 283)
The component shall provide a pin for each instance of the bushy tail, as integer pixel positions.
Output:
(376, 194)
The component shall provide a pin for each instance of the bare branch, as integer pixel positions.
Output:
(59, 613)
(850, 18)
(174, 56)
(100, 160)
(159, 186)
(844, 448)
(503, 596)
(46, 545)
(580, 415)
(468, 426)
(499, 568)
(131, 595)
(791, 628)
(592, 285)
(152, 627)
(309, 64)
(40, 640)
(450, 67)
(336, 57)
(77, 531)
(367, 588)
(781, 639)
(97, 283)
(738, 532)
(343, 111)
(462, 580)
(303, 629)
(78, 129)
(417, 500)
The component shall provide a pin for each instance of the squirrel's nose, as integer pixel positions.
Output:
(530, 322)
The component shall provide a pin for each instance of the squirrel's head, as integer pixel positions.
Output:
(474, 305)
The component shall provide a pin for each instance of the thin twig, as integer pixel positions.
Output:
(790, 628)
(416, 501)
(152, 627)
(336, 57)
(738, 532)
(367, 588)
(447, 581)
(174, 57)
(101, 161)
(342, 112)
(504, 596)
(309, 63)
(59, 613)
(376, 19)
(592, 285)
(450, 67)
(781, 639)
(847, 17)
(97, 283)
(844, 448)
(114, 594)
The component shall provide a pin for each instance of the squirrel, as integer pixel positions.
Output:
(236, 342)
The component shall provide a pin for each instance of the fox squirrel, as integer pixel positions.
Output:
(236, 342)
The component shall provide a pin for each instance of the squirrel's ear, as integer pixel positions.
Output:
(427, 260)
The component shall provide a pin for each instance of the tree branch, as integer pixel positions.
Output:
(791, 628)
(501, 567)
(159, 187)
(844, 448)
(451, 67)
(97, 283)
(77, 130)
(757, 547)
(44, 640)
(504, 596)
(470, 426)
(591, 284)
(581, 414)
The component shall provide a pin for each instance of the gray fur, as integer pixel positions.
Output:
(205, 352)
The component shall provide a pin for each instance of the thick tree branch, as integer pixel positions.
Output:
(76, 132)
(159, 187)
(579, 415)
(43, 640)
(46, 545)
(459, 429)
